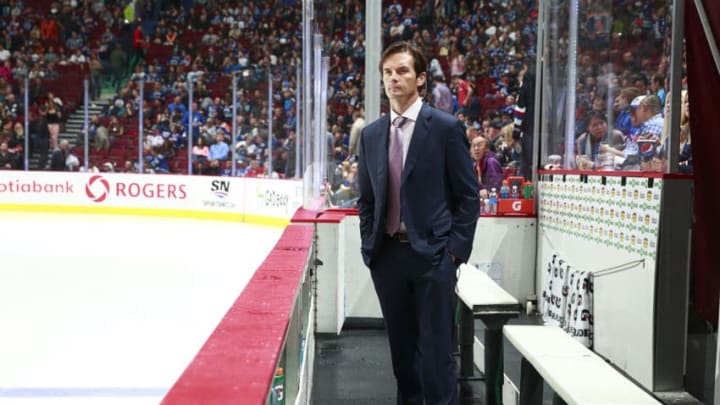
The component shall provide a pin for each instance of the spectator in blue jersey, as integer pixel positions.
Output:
(158, 161)
(176, 104)
(623, 122)
(218, 153)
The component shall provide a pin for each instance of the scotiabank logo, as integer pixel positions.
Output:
(98, 189)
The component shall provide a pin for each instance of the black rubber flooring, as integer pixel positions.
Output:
(353, 368)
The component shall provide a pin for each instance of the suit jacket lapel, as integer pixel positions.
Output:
(382, 156)
(420, 134)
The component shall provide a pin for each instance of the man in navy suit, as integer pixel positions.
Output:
(418, 208)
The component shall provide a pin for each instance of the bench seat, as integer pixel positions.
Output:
(576, 374)
(484, 299)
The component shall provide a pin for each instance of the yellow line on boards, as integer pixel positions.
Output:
(149, 212)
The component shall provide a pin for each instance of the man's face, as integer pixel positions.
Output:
(477, 148)
(641, 114)
(641, 86)
(597, 128)
(472, 133)
(620, 103)
(399, 78)
(3, 148)
(492, 133)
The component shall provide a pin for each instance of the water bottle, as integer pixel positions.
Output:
(483, 207)
(505, 190)
(515, 193)
(492, 202)
(277, 393)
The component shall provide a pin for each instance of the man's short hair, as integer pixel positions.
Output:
(653, 103)
(592, 114)
(629, 93)
(420, 64)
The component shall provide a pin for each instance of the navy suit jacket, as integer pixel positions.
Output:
(439, 199)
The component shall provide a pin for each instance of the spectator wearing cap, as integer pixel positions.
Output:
(442, 98)
(631, 146)
(646, 115)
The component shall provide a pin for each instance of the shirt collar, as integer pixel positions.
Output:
(411, 113)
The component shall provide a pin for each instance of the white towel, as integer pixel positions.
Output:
(579, 315)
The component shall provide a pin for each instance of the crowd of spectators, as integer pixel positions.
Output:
(623, 74)
(481, 53)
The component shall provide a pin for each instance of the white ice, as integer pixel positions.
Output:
(111, 309)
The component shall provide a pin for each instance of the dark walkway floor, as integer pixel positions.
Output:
(354, 369)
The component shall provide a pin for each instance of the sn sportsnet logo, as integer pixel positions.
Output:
(221, 191)
(98, 189)
(221, 188)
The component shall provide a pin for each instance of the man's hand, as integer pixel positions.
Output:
(456, 261)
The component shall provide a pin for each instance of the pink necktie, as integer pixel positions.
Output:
(395, 160)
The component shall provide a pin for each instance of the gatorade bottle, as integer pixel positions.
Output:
(278, 388)
(505, 189)
(528, 190)
(515, 193)
(492, 202)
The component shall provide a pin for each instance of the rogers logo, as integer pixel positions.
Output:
(97, 188)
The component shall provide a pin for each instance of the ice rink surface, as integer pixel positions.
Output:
(111, 309)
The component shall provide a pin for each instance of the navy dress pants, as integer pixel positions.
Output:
(417, 301)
